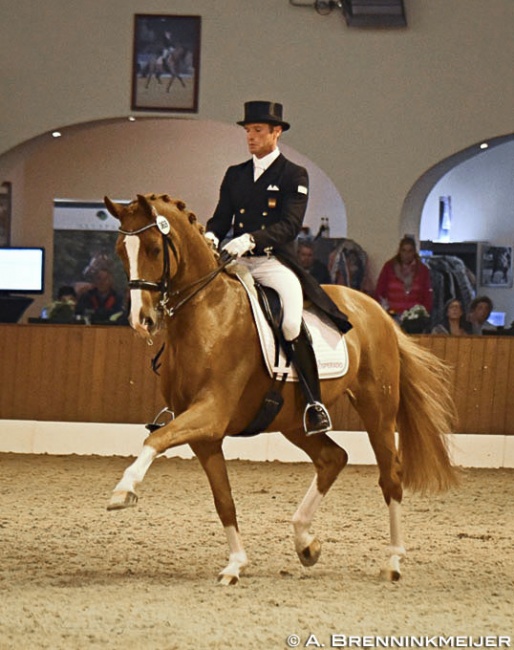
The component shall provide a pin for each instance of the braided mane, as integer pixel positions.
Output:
(181, 207)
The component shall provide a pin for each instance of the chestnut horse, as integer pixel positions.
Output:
(214, 379)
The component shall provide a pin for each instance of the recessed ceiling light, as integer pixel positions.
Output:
(484, 145)
(56, 134)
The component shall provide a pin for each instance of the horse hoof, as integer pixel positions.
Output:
(121, 500)
(390, 575)
(391, 572)
(310, 554)
(227, 580)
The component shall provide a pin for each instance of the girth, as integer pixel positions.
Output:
(271, 305)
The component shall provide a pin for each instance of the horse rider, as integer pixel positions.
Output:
(264, 200)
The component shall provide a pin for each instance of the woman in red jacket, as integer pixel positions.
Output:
(404, 280)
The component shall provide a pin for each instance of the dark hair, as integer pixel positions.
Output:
(66, 290)
(453, 299)
(463, 321)
(407, 239)
(305, 243)
(476, 301)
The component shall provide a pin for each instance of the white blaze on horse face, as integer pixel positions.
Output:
(136, 295)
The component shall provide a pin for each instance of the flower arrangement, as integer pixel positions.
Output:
(62, 310)
(415, 320)
(418, 312)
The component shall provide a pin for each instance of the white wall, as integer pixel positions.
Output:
(87, 438)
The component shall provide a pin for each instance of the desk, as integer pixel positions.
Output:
(12, 308)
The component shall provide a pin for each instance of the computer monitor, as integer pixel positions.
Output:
(497, 318)
(22, 270)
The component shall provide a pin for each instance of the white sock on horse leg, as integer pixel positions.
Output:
(396, 550)
(237, 558)
(303, 517)
(136, 472)
(395, 525)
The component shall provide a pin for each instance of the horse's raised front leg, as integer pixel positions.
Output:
(124, 494)
(329, 460)
(211, 457)
(191, 426)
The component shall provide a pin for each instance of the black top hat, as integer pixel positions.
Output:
(265, 112)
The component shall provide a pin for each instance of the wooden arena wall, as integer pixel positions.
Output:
(103, 374)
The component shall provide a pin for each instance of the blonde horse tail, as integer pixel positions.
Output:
(426, 415)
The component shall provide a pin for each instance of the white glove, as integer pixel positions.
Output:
(212, 239)
(240, 245)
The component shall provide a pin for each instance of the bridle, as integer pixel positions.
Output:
(164, 284)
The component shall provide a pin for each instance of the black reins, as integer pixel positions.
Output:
(163, 286)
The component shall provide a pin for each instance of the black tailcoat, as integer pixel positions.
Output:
(271, 209)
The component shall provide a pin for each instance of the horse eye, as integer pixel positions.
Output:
(154, 252)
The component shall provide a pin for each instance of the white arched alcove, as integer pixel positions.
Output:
(186, 158)
(483, 178)
(119, 158)
(480, 182)
(481, 188)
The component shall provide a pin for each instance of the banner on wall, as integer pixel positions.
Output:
(84, 239)
(496, 267)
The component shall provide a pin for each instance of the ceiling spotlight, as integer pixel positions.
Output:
(56, 134)
(484, 145)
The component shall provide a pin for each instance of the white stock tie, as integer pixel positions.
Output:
(257, 172)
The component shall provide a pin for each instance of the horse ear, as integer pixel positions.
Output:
(146, 205)
(114, 208)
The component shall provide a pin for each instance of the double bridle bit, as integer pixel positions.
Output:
(163, 286)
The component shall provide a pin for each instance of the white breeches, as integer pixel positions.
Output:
(269, 272)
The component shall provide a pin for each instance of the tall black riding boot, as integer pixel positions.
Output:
(316, 418)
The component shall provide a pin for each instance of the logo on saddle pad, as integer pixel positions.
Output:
(328, 342)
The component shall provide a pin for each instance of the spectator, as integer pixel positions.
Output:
(306, 259)
(67, 293)
(404, 281)
(102, 301)
(454, 321)
(479, 311)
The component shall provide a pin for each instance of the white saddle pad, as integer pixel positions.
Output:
(328, 342)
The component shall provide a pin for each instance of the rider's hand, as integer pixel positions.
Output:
(240, 245)
(212, 239)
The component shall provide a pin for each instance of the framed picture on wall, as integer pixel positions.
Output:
(5, 214)
(496, 267)
(166, 63)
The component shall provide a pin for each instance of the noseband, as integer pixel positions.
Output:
(163, 286)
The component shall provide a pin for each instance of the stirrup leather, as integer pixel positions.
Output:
(322, 417)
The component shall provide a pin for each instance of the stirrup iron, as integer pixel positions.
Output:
(153, 426)
(321, 413)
